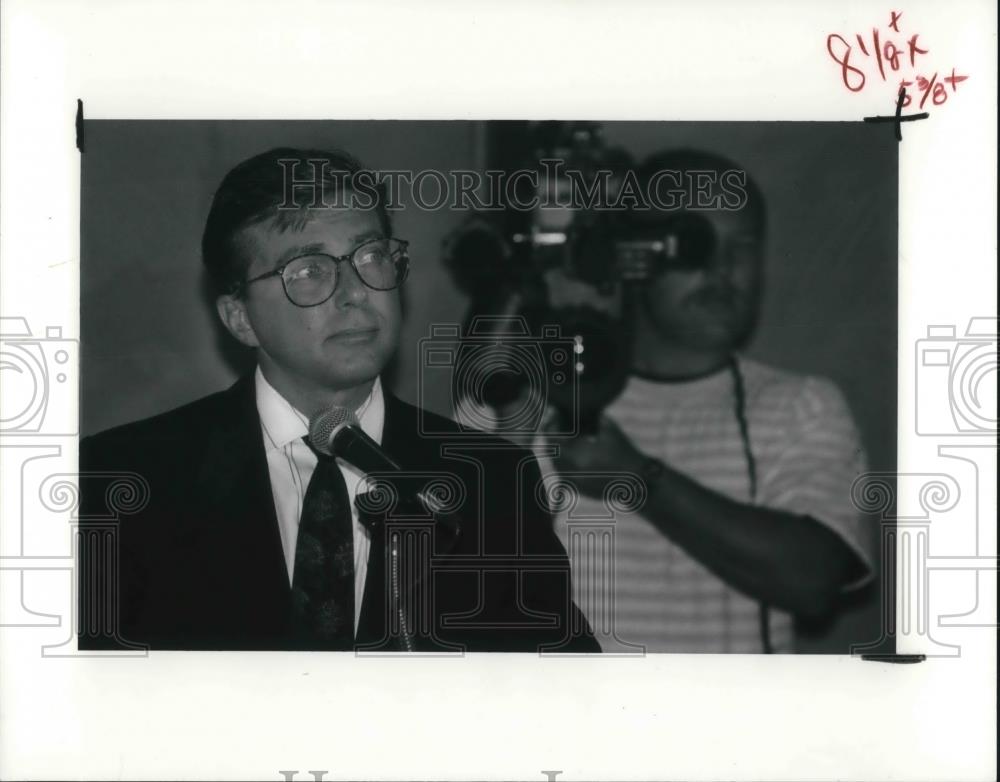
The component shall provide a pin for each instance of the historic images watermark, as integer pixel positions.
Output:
(43, 524)
(465, 361)
(39, 380)
(955, 390)
(552, 185)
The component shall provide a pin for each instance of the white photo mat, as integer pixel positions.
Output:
(251, 716)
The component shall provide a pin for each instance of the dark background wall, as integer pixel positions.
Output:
(150, 340)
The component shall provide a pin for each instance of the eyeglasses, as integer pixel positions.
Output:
(309, 280)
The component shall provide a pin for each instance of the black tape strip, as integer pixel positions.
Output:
(898, 659)
(79, 124)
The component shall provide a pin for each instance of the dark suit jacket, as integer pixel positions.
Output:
(179, 542)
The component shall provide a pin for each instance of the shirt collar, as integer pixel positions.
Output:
(283, 424)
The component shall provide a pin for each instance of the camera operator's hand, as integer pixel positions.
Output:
(785, 559)
(607, 451)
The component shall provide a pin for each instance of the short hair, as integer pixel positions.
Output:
(253, 191)
(687, 159)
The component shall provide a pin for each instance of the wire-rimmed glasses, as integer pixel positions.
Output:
(309, 280)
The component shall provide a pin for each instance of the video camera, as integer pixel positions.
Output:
(581, 207)
(576, 205)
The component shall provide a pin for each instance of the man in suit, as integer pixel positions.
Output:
(252, 536)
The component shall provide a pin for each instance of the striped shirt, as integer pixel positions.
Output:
(807, 453)
(290, 464)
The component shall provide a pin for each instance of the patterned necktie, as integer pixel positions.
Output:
(323, 579)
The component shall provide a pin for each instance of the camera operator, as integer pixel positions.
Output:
(747, 521)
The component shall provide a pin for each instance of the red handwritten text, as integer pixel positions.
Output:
(877, 55)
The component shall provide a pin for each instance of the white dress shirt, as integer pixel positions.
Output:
(290, 463)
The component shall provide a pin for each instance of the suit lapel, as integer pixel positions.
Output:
(402, 440)
(374, 622)
(400, 434)
(233, 478)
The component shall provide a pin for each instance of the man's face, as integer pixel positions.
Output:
(338, 345)
(714, 307)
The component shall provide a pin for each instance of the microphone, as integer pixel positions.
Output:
(335, 432)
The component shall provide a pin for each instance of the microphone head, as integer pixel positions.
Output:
(323, 426)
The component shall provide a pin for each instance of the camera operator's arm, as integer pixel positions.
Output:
(780, 554)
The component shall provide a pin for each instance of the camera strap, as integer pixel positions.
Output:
(739, 394)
